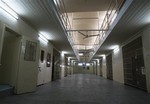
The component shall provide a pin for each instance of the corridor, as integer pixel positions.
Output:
(81, 89)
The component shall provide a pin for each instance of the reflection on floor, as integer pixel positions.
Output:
(81, 89)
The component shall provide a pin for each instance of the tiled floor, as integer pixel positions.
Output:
(81, 89)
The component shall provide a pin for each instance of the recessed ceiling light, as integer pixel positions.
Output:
(80, 54)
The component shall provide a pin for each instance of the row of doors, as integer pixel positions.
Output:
(133, 64)
(20, 60)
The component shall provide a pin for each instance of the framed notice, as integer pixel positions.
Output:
(30, 51)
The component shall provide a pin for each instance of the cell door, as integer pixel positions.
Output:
(109, 66)
(41, 68)
(28, 66)
(101, 72)
(140, 70)
(133, 62)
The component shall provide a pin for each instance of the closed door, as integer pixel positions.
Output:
(109, 66)
(101, 72)
(139, 70)
(41, 68)
(56, 65)
(133, 62)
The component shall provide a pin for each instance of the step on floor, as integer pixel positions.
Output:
(6, 90)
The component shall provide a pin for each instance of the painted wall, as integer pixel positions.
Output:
(146, 49)
(104, 71)
(117, 66)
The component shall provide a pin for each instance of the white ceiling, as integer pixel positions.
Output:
(39, 15)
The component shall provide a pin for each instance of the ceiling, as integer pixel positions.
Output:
(85, 19)
(38, 13)
(136, 18)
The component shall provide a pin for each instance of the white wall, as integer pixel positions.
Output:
(104, 67)
(117, 66)
(146, 49)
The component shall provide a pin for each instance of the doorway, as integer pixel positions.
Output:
(133, 62)
(56, 65)
(109, 67)
(41, 68)
(10, 57)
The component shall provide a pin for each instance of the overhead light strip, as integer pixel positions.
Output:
(43, 38)
(8, 9)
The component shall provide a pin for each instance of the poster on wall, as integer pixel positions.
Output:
(48, 61)
(30, 51)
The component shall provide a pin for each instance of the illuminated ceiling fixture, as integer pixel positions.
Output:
(80, 54)
(42, 37)
(79, 64)
(87, 64)
(5, 7)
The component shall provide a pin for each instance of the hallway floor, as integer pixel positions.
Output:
(81, 89)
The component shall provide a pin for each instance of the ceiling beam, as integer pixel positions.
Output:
(87, 30)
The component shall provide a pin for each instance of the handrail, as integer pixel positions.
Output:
(111, 14)
(61, 11)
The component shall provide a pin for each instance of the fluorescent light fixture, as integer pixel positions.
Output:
(87, 64)
(116, 49)
(102, 55)
(113, 47)
(64, 52)
(80, 54)
(79, 64)
(5, 7)
(56, 2)
(41, 37)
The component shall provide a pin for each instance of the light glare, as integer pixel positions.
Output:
(5, 7)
